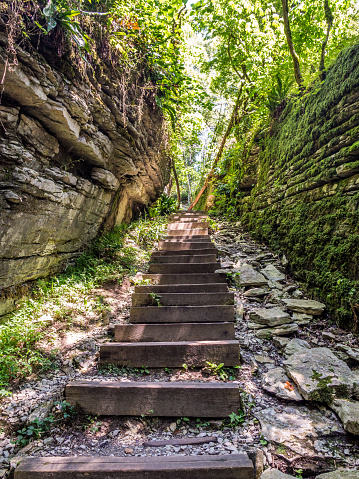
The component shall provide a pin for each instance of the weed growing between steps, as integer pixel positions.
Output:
(27, 338)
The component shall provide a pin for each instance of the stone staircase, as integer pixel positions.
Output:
(185, 316)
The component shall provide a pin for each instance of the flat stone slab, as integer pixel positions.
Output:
(297, 427)
(296, 346)
(278, 383)
(269, 317)
(275, 474)
(340, 474)
(272, 273)
(248, 276)
(348, 411)
(256, 293)
(352, 353)
(310, 367)
(306, 306)
(302, 318)
(282, 330)
(233, 466)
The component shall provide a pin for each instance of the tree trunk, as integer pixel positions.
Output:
(288, 34)
(220, 151)
(329, 19)
(177, 184)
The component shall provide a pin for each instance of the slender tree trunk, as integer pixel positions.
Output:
(220, 151)
(288, 34)
(329, 19)
(177, 184)
(188, 180)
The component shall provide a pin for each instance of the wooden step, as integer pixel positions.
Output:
(188, 238)
(188, 225)
(185, 245)
(182, 299)
(191, 232)
(170, 354)
(183, 288)
(184, 252)
(198, 258)
(192, 278)
(174, 332)
(171, 399)
(181, 314)
(233, 466)
(182, 268)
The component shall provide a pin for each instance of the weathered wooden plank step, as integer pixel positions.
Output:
(182, 288)
(189, 238)
(181, 314)
(197, 258)
(188, 219)
(185, 245)
(190, 278)
(182, 299)
(168, 399)
(233, 466)
(182, 268)
(187, 226)
(183, 225)
(174, 332)
(183, 252)
(184, 232)
(170, 354)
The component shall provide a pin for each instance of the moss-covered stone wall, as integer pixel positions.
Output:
(306, 201)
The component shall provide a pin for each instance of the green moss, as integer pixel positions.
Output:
(300, 207)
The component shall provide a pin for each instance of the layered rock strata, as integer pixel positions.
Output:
(72, 161)
(305, 202)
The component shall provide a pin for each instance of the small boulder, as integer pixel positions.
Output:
(282, 330)
(340, 474)
(272, 273)
(348, 412)
(277, 382)
(275, 474)
(249, 277)
(318, 374)
(302, 318)
(306, 306)
(256, 293)
(295, 346)
(269, 317)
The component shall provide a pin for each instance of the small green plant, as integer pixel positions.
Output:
(201, 423)
(185, 366)
(182, 421)
(236, 419)
(263, 441)
(93, 424)
(62, 411)
(163, 206)
(298, 473)
(116, 370)
(232, 276)
(221, 371)
(155, 299)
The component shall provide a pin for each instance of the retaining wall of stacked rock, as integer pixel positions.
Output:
(305, 203)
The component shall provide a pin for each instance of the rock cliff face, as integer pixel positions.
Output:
(70, 163)
(306, 201)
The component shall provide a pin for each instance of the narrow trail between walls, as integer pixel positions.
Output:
(168, 388)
